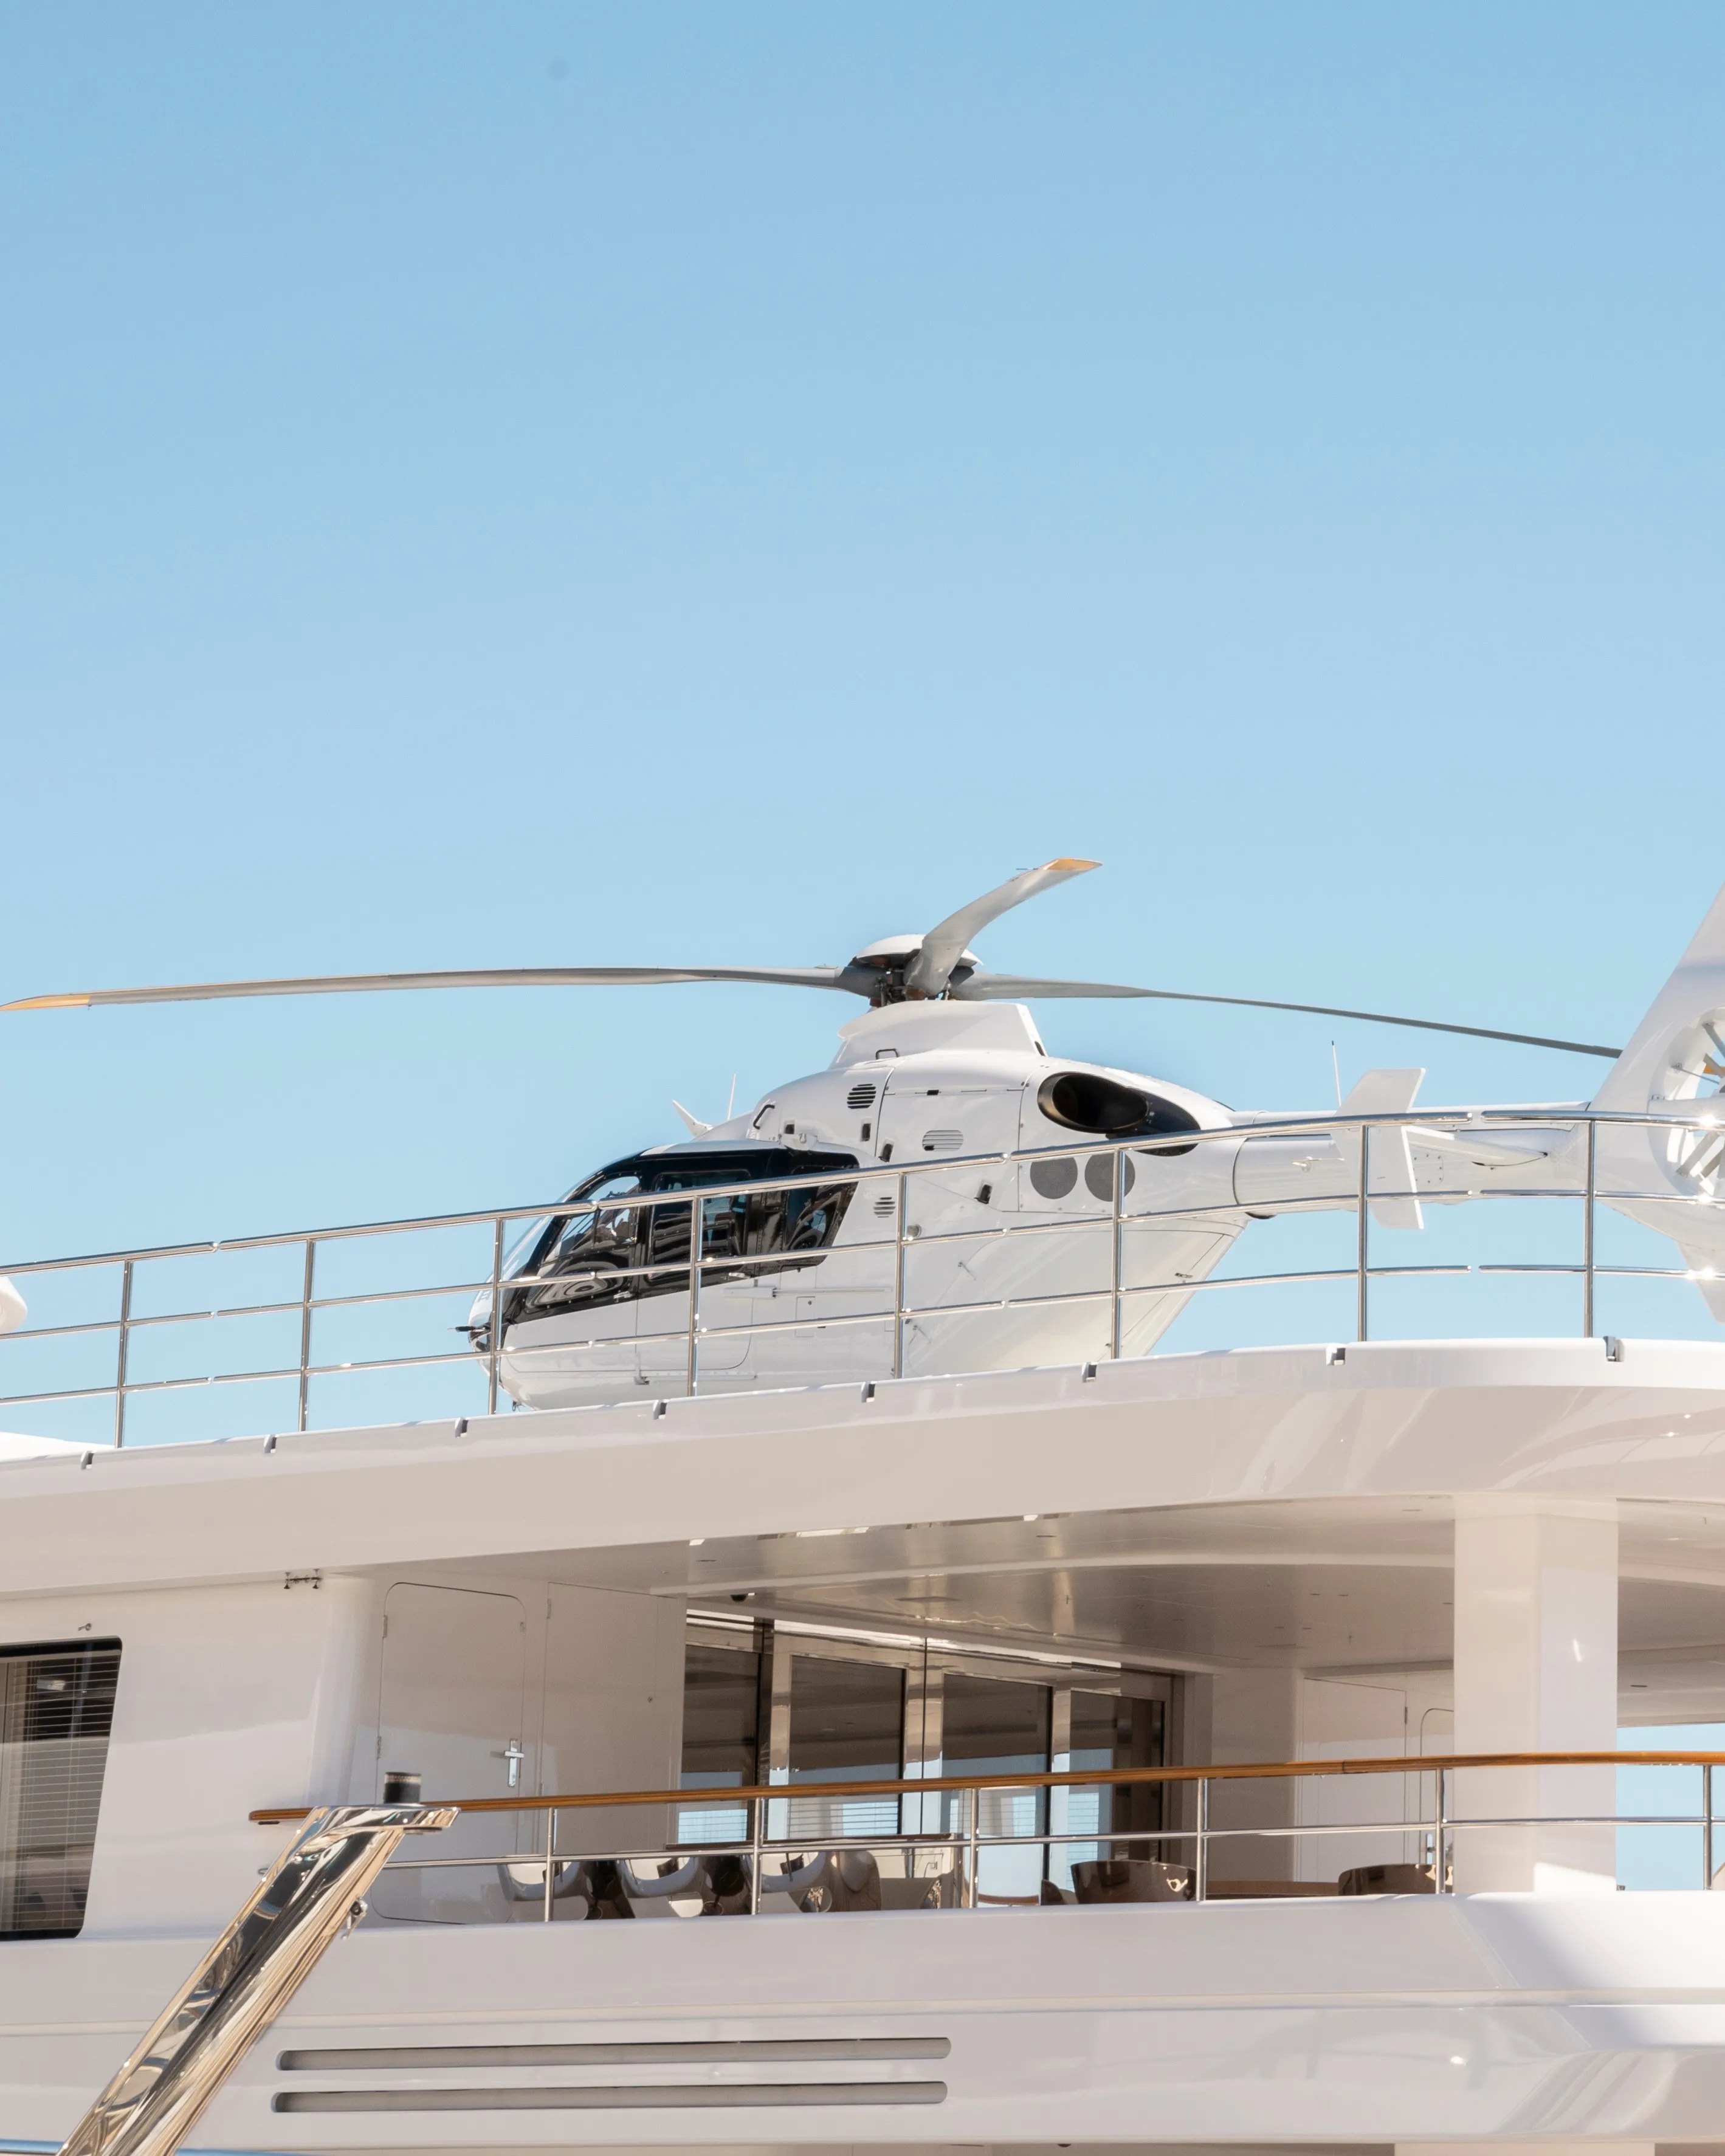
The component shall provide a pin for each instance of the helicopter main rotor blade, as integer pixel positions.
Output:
(1014, 988)
(941, 948)
(504, 977)
(978, 987)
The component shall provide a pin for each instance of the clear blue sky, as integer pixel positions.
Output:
(722, 483)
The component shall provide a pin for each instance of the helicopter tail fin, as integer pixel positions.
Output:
(692, 1124)
(1707, 1271)
(1386, 1093)
(1678, 1050)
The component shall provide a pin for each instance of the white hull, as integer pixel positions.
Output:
(1519, 2016)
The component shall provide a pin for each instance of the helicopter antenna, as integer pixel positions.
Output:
(1336, 1067)
(730, 1101)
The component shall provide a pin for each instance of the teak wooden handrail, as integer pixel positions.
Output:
(1079, 1778)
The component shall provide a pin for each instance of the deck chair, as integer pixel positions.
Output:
(1131, 1879)
(833, 1879)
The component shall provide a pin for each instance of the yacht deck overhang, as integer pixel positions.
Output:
(768, 1484)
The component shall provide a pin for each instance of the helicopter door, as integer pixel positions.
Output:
(827, 1265)
(662, 1313)
(920, 1125)
(958, 1263)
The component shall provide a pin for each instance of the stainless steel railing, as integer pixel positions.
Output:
(310, 1897)
(773, 1834)
(1583, 1131)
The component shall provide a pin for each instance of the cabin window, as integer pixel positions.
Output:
(992, 1727)
(847, 1725)
(56, 1708)
(1110, 1730)
(721, 1739)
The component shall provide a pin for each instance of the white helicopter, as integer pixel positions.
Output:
(805, 1284)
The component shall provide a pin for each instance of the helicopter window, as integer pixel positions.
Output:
(532, 1252)
(589, 1248)
(519, 1257)
(648, 1245)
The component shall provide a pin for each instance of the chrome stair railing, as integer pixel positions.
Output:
(312, 1894)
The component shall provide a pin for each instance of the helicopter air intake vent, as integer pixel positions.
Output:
(941, 1141)
(860, 1097)
(1086, 1100)
(885, 1205)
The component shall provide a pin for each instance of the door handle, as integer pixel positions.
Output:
(515, 1755)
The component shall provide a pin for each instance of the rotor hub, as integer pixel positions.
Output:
(883, 966)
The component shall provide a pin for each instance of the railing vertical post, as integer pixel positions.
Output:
(697, 1215)
(1440, 1853)
(495, 1357)
(119, 1356)
(1365, 1218)
(1114, 1322)
(1706, 1828)
(757, 1813)
(1588, 1212)
(971, 1850)
(1201, 1860)
(551, 1859)
(898, 1282)
(306, 1330)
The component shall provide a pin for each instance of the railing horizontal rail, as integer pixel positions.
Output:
(1079, 1148)
(1057, 1779)
(1085, 1838)
(767, 1268)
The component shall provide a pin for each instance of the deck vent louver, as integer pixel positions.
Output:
(860, 1097)
(885, 1205)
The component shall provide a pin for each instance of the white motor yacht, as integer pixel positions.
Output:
(993, 1733)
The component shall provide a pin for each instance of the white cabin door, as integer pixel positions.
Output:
(452, 1709)
(1340, 1719)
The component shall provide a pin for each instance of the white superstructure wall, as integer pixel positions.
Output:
(229, 1697)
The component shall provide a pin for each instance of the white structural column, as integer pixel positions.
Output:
(1535, 1670)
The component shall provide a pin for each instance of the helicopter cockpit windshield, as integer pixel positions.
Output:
(613, 1250)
